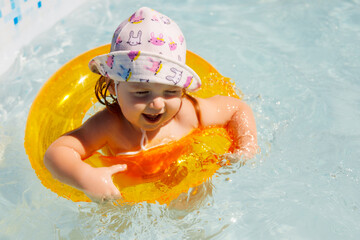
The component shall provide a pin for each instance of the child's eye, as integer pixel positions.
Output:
(141, 93)
(172, 92)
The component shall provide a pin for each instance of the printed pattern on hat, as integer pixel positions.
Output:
(147, 47)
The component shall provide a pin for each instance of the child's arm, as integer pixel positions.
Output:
(64, 160)
(237, 117)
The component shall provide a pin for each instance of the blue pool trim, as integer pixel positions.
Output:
(13, 12)
(13, 5)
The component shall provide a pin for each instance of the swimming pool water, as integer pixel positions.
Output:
(298, 65)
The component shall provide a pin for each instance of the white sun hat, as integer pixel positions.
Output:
(147, 47)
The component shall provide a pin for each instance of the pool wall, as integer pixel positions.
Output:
(22, 20)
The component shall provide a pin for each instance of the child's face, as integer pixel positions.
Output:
(148, 105)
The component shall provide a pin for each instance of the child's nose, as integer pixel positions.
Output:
(157, 103)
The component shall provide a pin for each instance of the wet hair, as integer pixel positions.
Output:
(101, 93)
(110, 102)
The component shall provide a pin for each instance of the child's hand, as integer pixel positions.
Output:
(238, 155)
(97, 183)
(246, 153)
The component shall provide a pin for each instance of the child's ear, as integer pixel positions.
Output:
(111, 86)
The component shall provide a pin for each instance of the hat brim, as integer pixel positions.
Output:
(142, 66)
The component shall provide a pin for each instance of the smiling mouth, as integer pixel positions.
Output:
(152, 118)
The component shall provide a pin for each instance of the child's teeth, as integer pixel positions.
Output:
(152, 116)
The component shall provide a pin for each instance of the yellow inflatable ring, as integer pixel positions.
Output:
(62, 104)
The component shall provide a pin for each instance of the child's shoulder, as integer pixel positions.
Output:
(104, 117)
(218, 110)
(206, 111)
(104, 121)
(187, 113)
(218, 100)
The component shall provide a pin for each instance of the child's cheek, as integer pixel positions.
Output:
(138, 107)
